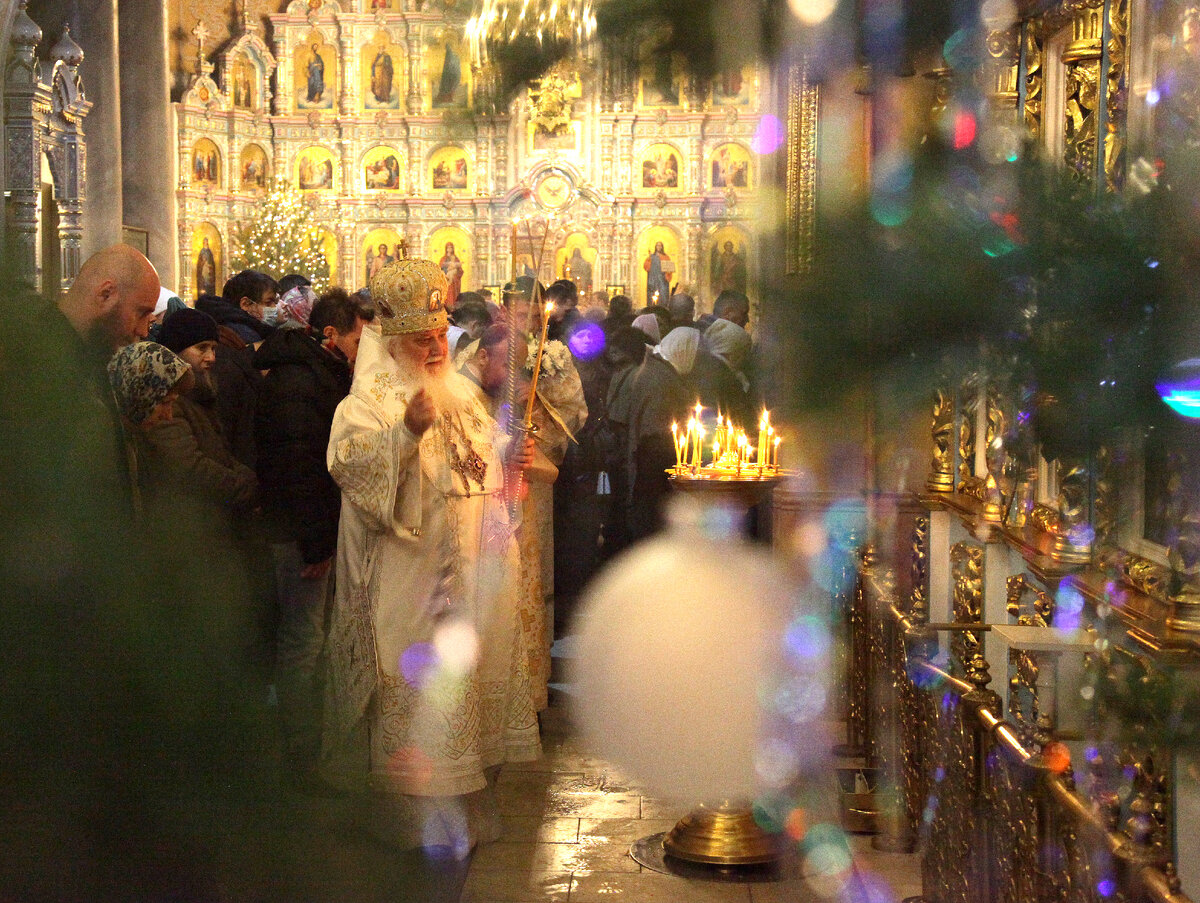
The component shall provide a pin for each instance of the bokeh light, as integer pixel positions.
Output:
(1057, 757)
(812, 12)
(827, 860)
(806, 638)
(769, 135)
(1180, 391)
(587, 341)
(965, 129)
(456, 646)
(1068, 605)
(418, 664)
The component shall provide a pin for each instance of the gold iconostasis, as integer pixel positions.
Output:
(365, 107)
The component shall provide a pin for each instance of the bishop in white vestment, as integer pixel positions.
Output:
(427, 664)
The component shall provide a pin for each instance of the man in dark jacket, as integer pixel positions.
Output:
(308, 375)
(72, 644)
(244, 313)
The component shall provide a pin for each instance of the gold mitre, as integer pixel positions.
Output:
(410, 296)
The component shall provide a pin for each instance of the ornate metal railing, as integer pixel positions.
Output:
(993, 806)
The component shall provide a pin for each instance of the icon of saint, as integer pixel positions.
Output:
(659, 267)
(206, 270)
(453, 269)
(316, 77)
(382, 77)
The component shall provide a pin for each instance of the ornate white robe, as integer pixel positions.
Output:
(421, 545)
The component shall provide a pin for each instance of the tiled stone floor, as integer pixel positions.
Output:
(567, 824)
(569, 820)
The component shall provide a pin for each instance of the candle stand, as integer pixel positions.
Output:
(719, 841)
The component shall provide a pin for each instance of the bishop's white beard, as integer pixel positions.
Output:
(450, 393)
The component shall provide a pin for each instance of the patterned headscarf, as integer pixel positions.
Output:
(143, 375)
(297, 304)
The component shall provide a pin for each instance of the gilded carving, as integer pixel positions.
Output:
(1082, 59)
(941, 471)
(966, 567)
(968, 407)
(802, 110)
(1072, 532)
(1027, 605)
(1115, 93)
(1033, 54)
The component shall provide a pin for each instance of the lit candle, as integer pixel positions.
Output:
(698, 450)
(675, 442)
(776, 456)
(763, 423)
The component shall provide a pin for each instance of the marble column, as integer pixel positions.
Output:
(94, 27)
(148, 133)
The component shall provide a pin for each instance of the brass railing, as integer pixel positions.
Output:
(992, 807)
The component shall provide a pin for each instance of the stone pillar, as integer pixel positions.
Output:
(148, 132)
(94, 27)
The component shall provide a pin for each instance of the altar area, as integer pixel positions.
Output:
(372, 109)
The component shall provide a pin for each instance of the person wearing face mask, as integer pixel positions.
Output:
(308, 374)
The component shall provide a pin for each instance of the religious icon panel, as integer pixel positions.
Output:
(379, 248)
(370, 6)
(734, 87)
(206, 164)
(728, 266)
(448, 168)
(448, 76)
(255, 171)
(660, 167)
(383, 169)
(207, 259)
(660, 78)
(451, 248)
(658, 262)
(243, 87)
(575, 259)
(315, 169)
(316, 69)
(382, 66)
(729, 167)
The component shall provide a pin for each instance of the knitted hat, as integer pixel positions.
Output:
(186, 328)
(143, 375)
(410, 296)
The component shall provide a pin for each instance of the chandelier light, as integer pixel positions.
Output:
(539, 24)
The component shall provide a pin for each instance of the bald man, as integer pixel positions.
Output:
(111, 302)
(75, 631)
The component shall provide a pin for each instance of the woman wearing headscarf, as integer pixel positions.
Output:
(661, 395)
(720, 372)
(648, 323)
(295, 307)
(146, 379)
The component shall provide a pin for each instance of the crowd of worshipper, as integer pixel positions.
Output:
(312, 527)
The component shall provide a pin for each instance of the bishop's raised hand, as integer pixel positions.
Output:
(419, 414)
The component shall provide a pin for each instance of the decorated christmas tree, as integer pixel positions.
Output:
(283, 238)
